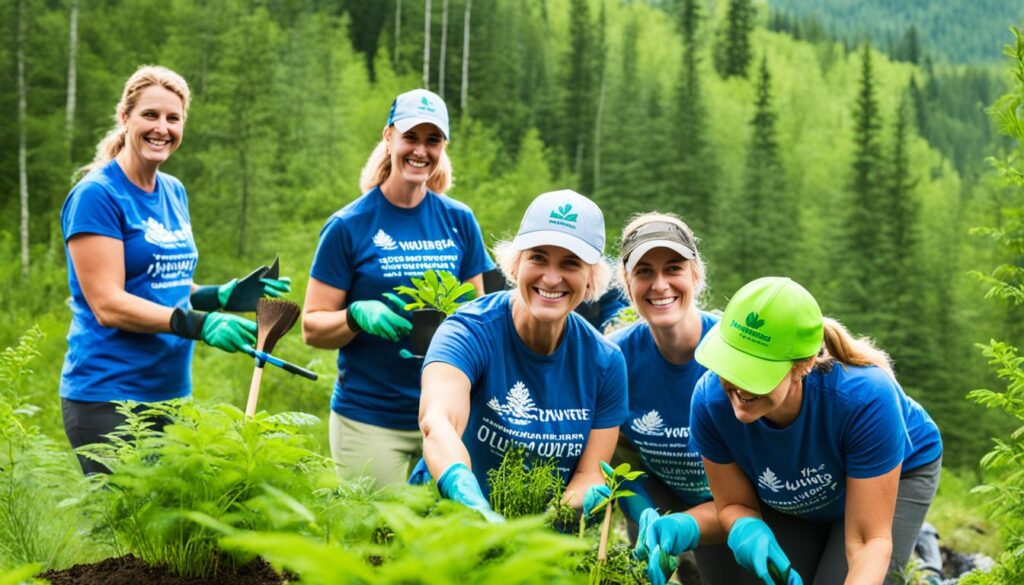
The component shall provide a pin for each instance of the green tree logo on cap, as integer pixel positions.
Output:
(753, 321)
(563, 213)
(425, 105)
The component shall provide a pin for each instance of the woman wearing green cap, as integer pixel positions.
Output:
(400, 227)
(820, 465)
(663, 275)
(521, 368)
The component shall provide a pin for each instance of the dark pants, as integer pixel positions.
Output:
(86, 423)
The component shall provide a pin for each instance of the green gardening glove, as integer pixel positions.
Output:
(376, 318)
(241, 295)
(229, 333)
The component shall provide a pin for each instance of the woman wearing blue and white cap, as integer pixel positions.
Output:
(820, 465)
(400, 227)
(663, 275)
(521, 368)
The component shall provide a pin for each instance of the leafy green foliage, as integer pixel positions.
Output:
(21, 575)
(1006, 492)
(438, 289)
(427, 550)
(208, 463)
(35, 473)
(620, 568)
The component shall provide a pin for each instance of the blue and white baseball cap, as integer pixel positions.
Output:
(415, 107)
(565, 219)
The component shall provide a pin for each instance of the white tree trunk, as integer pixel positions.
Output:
(398, 33)
(444, 49)
(22, 147)
(69, 111)
(597, 132)
(426, 44)
(465, 59)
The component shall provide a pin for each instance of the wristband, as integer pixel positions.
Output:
(351, 321)
(187, 323)
(205, 298)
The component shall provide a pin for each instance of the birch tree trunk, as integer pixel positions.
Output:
(426, 44)
(597, 132)
(69, 110)
(22, 146)
(398, 33)
(464, 93)
(444, 49)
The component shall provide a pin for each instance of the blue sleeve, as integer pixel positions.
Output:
(455, 344)
(91, 209)
(611, 303)
(332, 263)
(704, 436)
(876, 434)
(612, 406)
(476, 260)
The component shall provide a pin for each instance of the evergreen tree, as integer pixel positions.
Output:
(864, 212)
(768, 245)
(579, 106)
(733, 53)
(695, 168)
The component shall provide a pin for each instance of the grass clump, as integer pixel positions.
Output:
(525, 486)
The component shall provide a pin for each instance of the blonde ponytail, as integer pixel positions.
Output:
(840, 345)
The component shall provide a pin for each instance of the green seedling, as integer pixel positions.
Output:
(438, 289)
(613, 478)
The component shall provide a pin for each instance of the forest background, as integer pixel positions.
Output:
(842, 144)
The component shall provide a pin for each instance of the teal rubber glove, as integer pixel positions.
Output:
(272, 287)
(756, 550)
(420, 474)
(229, 333)
(458, 484)
(240, 295)
(376, 318)
(662, 539)
(594, 497)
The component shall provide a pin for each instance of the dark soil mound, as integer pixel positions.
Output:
(129, 570)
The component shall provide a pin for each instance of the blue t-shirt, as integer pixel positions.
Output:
(104, 363)
(366, 249)
(546, 403)
(658, 425)
(854, 422)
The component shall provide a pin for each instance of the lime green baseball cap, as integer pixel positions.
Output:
(769, 324)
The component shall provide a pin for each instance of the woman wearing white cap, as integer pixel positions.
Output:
(663, 275)
(814, 453)
(521, 368)
(400, 227)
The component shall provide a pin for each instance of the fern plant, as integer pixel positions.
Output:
(35, 473)
(210, 466)
(438, 289)
(1006, 282)
(525, 486)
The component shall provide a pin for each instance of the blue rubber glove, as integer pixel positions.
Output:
(458, 484)
(594, 497)
(661, 562)
(757, 551)
(420, 473)
(376, 318)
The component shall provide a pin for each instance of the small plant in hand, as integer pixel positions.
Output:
(613, 478)
(439, 290)
(525, 486)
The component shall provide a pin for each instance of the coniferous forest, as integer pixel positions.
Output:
(855, 151)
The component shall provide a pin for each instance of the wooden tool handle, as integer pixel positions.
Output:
(254, 391)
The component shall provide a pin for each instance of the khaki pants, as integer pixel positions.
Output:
(361, 449)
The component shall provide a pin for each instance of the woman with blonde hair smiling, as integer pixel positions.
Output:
(521, 368)
(401, 226)
(131, 257)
